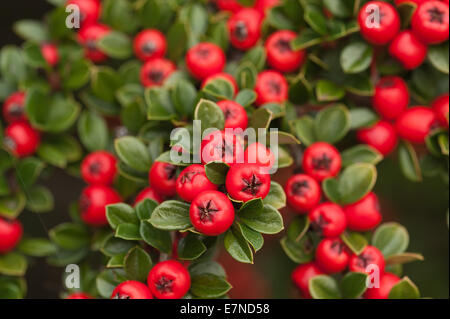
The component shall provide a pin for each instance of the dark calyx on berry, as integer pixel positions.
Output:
(299, 188)
(322, 163)
(94, 168)
(170, 171)
(275, 87)
(319, 224)
(157, 76)
(252, 186)
(164, 285)
(283, 45)
(149, 47)
(225, 148)
(241, 32)
(121, 296)
(187, 177)
(337, 247)
(364, 260)
(436, 15)
(203, 53)
(207, 211)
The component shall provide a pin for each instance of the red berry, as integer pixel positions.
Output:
(93, 202)
(328, 219)
(264, 5)
(441, 108)
(21, 139)
(149, 44)
(415, 124)
(378, 32)
(382, 137)
(14, 107)
(169, 280)
(235, 115)
(271, 87)
(211, 213)
(391, 97)
(303, 193)
(408, 50)
(222, 146)
(148, 193)
(364, 215)
(332, 255)
(245, 182)
(321, 161)
(89, 11)
(205, 60)
(244, 28)
(222, 76)
(259, 154)
(229, 5)
(192, 182)
(10, 234)
(131, 290)
(156, 71)
(303, 274)
(88, 37)
(430, 22)
(280, 55)
(99, 168)
(79, 295)
(163, 178)
(398, 2)
(370, 256)
(387, 282)
(50, 54)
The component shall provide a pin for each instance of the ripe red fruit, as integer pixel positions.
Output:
(14, 107)
(149, 44)
(430, 22)
(93, 202)
(244, 28)
(211, 213)
(264, 5)
(204, 60)
(271, 87)
(370, 256)
(259, 154)
(21, 139)
(303, 274)
(148, 193)
(387, 282)
(229, 5)
(10, 234)
(245, 182)
(381, 136)
(222, 146)
(398, 2)
(408, 50)
(156, 71)
(79, 295)
(88, 37)
(192, 182)
(89, 11)
(332, 255)
(99, 168)
(321, 161)
(223, 76)
(364, 215)
(441, 108)
(280, 55)
(235, 115)
(415, 124)
(391, 97)
(378, 32)
(169, 280)
(163, 178)
(303, 193)
(50, 54)
(131, 289)
(328, 219)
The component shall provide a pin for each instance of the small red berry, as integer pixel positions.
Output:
(148, 193)
(212, 213)
(14, 107)
(149, 44)
(328, 219)
(204, 60)
(21, 139)
(271, 87)
(364, 215)
(50, 54)
(303, 193)
(223, 76)
(399, 2)
(408, 50)
(303, 274)
(321, 161)
(163, 178)
(385, 29)
(222, 146)
(131, 290)
(79, 295)
(10, 234)
(264, 5)
(280, 55)
(99, 168)
(156, 71)
(415, 124)
(88, 37)
(235, 115)
(382, 136)
(259, 154)
(192, 182)
(169, 280)
(370, 256)
(387, 282)
(244, 28)
(441, 108)
(93, 202)
(391, 97)
(430, 22)
(229, 5)
(89, 11)
(332, 255)
(245, 182)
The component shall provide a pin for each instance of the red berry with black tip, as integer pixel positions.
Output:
(363, 215)
(150, 44)
(415, 124)
(21, 139)
(328, 219)
(378, 31)
(204, 60)
(50, 54)
(430, 22)
(280, 55)
(192, 182)
(89, 11)
(244, 28)
(148, 193)
(371, 256)
(245, 182)
(391, 97)
(321, 161)
(257, 153)
(131, 289)
(332, 255)
(382, 136)
(303, 193)
(156, 71)
(222, 76)
(408, 50)
(99, 168)
(303, 274)
(235, 115)
(387, 282)
(10, 234)
(169, 280)
(14, 107)
(93, 202)
(163, 178)
(222, 146)
(271, 87)
(88, 37)
(441, 108)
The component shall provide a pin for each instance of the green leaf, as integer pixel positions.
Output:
(120, 214)
(316, 20)
(359, 84)
(171, 215)
(28, 171)
(156, 238)
(33, 55)
(300, 251)
(361, 154)
(190, 247)
(254, 238)
(40, 199)
(304, 129)
(207, 267)
(330, 187)
(267, 221)
(209, 286)
(324, 287)
(261, 118)
(355, 241)
(116, 45)
(356, 182)
(353, 285)
(246, 97)
(145, 208)
(36, 247)
(12, 64)
(217, 172)
(438, 56)
(133, 153)
(128, 232)
(177, 41)
(307, 38)
(237, 246)
(12, 206)
(356, 57)
(391, 239)
(409, 162)
(75, 75)
(332, 124)
(276, 196)
(339, 8)
(405, 289)
(13, 264)
(106, 282)
(327, 91)
(116, 261)
(298, 228)
(137, 264)
(362, 117)
(31, 30)
(105, 82)
(184, 96)
(220, 89)
(159, 104)
(120, 15)
(70, 236)
(246, 75)
(114, 246)
(403, 258)
(210, 115)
